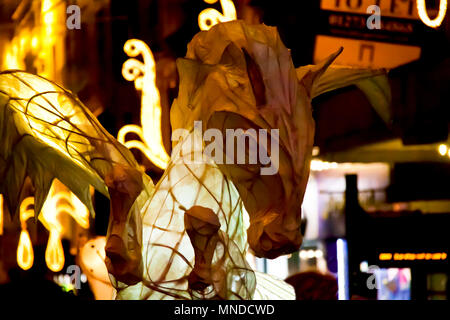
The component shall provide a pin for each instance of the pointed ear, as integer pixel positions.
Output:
(322, 78)
(310, 75)
(256, 80)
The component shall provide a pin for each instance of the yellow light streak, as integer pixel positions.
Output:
(210, 17)
(51, 39)
(34, 42)
(13, 59)
(47, 36)
(48, 16)
(423, 14)
(60, 202)
(413, 256)
(25, 254)
(80, 212)
(45, 40)
(385, 256)
(144, 77)
(54, 254)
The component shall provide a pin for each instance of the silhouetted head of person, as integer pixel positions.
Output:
(314, 286)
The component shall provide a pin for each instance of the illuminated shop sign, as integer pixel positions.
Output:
(405, 9)
(363, 53)
(393, 41)
(436, 256)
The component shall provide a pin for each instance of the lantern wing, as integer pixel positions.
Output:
(47, 133)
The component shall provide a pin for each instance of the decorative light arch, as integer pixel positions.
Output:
(144, 77)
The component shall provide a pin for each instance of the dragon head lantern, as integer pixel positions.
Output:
(239, 76)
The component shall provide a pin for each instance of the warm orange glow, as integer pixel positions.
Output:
(59, 202)
(79, 211)
(144, 77)
(412, 256)
(54, 254)
(34, 42)
(51, 58)
(25, 254)
(13, 57)
(399, 256)
(210, 17)
(442, 149)
(385, 256)
(45, 40)
(48, 37)
(423, 14)
(436, 256)
(55, 204)
(25, 211)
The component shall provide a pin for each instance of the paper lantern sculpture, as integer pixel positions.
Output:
(187, 236)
